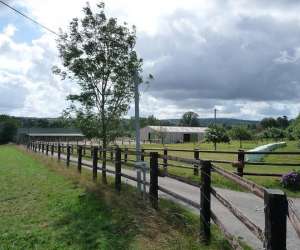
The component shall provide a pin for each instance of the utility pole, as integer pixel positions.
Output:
(215, 120)
(137, 118)
(139, 165)
(215, 112)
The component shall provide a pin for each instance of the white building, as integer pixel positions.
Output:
(170, 134)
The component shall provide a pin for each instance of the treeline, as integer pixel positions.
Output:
(268, 128)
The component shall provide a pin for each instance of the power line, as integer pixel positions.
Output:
(29, 18)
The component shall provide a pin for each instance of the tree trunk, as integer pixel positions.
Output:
(104, 147)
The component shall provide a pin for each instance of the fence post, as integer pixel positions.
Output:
(58, 151)
(125, 155)
(154, 179)
(68, 154)
(84, 150)
(118, 169)
(47, 149)
(43, 147)
(165, 161)
(276, 209)
(241, 160)
(111, 154)
(196, 157)
(72, 148)
(95, 162)
(52, 149)
(100, 153)
(143, 155)
(205, 212)
(39, 147)
(79, 152)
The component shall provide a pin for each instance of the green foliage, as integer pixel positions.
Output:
(146, 121)
(272, 133)
(189, 119)
(99, 55)
(8, 129)
(281, 122)
(240, 133)
(216, 134)
(268, 123)
(294, 128)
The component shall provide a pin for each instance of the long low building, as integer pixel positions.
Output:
(49, 134)
(172, 134)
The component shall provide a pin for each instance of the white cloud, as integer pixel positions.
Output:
(27, 84)
(203, 54)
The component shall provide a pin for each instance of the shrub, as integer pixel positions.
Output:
(291, 180)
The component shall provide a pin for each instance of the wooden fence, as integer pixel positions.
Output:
(277, 207)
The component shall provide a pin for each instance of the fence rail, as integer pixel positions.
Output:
(277, 206)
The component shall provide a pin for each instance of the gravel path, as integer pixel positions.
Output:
(251, 206)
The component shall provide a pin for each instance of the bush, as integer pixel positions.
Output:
(291, 180)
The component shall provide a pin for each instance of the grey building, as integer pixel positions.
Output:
(49, 134)
(172, 134)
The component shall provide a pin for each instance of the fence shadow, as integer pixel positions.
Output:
(93, 222)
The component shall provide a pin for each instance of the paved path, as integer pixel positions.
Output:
(251, 205)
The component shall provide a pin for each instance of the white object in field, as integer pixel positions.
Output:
(264, 148)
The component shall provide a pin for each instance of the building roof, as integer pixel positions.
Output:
(177, 129)
(54, 134)
(50, 132)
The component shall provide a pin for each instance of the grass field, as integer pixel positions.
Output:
(269, 182)
(44, 205)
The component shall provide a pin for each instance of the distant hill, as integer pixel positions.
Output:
(204, 122)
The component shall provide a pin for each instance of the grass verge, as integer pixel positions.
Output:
(44, 205)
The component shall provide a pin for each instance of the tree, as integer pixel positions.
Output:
(189, 119)
(42, 123)
(99, 55)
(240, 133)
(216, 134)
(8, 129)
(283, 122)
(152, 121)
(269, 123)
(272, 133)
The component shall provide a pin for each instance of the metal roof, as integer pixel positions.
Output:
(54, 134)
(50, 132)
(174, 129)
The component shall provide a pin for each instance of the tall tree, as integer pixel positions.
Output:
(8, 128)
(189, 119)
(99, 54)
(283, 122)
(240, 133)
(269, 123)
(216, 134)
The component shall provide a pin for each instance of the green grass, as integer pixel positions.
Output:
(44, 205)
(268, 182)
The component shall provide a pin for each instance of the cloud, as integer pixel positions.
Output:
(196, 63)
(239, 56)
(27, 85)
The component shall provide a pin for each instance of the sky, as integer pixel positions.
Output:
(240, 57)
